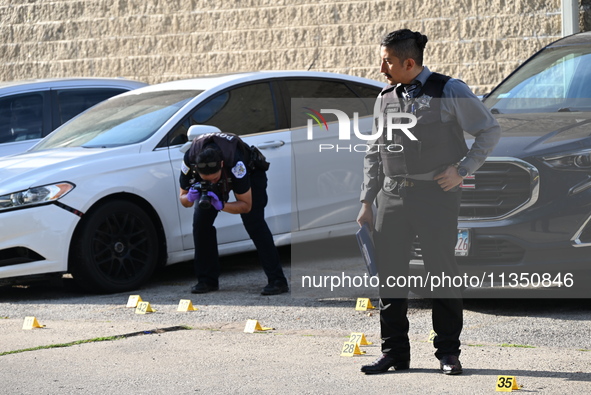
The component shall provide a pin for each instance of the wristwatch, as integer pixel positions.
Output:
(462, 172)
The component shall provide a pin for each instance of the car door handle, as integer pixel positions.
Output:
(271, 144)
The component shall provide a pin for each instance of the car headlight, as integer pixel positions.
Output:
(35, 195)
(580, 160)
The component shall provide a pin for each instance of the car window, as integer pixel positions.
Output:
(21, 117)
(71, 102)
(555, 80)
(244, 110)
(332, 91)
(366, 91)
(123, 120)
(176, 136)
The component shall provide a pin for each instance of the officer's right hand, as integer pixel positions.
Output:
(193, 195)
(365, 215)
(216, 202)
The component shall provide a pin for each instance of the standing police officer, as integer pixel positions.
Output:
(216, 164)
(417, 191)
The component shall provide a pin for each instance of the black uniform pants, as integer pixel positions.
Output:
(207, 267)
(432, 214)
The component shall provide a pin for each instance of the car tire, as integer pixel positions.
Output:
(115, 248)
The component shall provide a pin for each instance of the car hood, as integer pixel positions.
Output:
(541, 133)
(30, 169)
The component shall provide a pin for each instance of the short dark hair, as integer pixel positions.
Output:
(406, 44)
(209, 154)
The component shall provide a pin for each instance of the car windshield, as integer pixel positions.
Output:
(557, 79)
(122, 120)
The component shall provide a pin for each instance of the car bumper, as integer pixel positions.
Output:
(553, 235)
(35, 240)
(532, 245)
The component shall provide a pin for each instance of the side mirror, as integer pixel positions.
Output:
(197, 130)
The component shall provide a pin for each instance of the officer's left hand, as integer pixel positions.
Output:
(216, 202)
(449, 178)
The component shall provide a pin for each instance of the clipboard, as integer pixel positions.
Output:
(366, 246)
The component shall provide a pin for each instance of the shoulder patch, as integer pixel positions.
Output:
(184, 168)
(239, 170)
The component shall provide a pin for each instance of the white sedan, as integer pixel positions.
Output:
(98, 198)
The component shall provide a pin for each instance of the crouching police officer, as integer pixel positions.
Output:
(216, 164)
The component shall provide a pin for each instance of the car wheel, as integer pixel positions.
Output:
(115, 249)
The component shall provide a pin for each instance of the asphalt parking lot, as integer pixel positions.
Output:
(94, 344)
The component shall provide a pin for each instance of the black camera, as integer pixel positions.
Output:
(204, 187)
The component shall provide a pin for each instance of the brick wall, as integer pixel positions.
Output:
(160, 40)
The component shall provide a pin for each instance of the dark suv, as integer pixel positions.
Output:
(30, 110)
(526, 213)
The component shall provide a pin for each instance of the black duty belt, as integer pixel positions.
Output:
(407, 182)
(396, 185)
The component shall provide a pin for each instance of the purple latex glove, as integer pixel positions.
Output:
(193, 195)
(215, 201)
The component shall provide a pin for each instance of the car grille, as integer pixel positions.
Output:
(499, 188)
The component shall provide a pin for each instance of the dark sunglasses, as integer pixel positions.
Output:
(207, 164)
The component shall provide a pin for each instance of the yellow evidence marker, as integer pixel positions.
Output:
(133, 300)
(253, 325)
(143, 308)
(507, 384)
(351, 348)
(31, 322)
(432, 335)
(359, 338)
(186, 305)
(363, 304)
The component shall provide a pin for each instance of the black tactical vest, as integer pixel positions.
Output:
(227, 142)
(439, 144)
